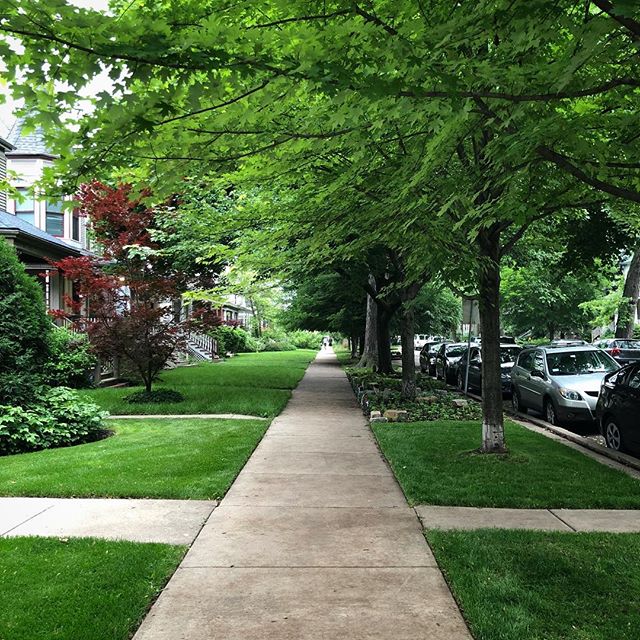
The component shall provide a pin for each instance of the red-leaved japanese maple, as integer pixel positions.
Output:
(127, 299)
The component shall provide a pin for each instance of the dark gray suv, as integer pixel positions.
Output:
(561, 381)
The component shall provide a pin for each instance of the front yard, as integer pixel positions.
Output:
(257, 384)
(155, 458)
(77, 589)
(516, 585)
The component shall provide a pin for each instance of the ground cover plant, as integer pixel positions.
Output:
(250, 383)
(543, 585)
(53, 589)
(378, 392)
(437, 463)
(158, 458)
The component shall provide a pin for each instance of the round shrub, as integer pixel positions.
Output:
(24, 331)
(70, 361)
(155, 395)
(60, 419)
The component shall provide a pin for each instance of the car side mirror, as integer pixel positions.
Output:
(536, 373)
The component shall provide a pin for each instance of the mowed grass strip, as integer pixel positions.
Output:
(437, 463)
(257, 384)
(159, 458)
(81, 588)
(513, 585)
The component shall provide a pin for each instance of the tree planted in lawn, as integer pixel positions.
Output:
(128, 299)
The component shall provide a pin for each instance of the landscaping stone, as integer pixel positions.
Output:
(375, 414)
(427, 399)
(460, 403)
(396, 415)
(378, 419)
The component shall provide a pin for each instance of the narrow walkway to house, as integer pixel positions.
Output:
(313, 541)
(168, 521)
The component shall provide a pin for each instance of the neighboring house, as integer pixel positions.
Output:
(38, 226)
(238, 309)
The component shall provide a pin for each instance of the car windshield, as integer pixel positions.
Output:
(575, 363)
(456, 350)
(509, 354)
(627, 344)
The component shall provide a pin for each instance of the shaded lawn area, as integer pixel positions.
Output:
(257, 384)
(159, 458)
(542, 585)
(83, 588)
(436, 463)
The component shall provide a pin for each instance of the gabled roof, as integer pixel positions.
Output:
(5, 145)
(27, 144)
(14, 227)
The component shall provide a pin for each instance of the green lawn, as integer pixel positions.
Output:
(160, 458)
(79, 589)
(256, 384)
(435, 463)
(516, 585)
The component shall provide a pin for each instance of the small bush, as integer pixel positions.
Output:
(60, 420)
(230, 339)
(70, 362)
(156, 396)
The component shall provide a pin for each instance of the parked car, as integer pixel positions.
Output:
(428, 355)
(508, 356)
(396, 349)
(562, 382)
(622, 350)
(618, 409)
(447, 360)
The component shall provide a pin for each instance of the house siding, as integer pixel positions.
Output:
(3, 175)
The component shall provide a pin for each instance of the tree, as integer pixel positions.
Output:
(128, 300)
(25, 329)
(515, 109)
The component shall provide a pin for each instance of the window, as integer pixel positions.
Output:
(75, 226)
(526, 360)
(538, 361)
(509, 354)
(55, 218)
(634, 379)
(574, 363)
(25, 209)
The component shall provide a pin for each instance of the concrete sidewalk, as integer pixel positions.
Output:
(610, 520)
(314, 540)
(168, 521)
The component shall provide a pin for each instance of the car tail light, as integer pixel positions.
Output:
(615, 352)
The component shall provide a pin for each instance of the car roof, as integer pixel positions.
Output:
(551, 348)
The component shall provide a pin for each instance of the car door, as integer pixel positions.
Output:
(520, 377)
(475, 369)
(629, 408)
(538, 381)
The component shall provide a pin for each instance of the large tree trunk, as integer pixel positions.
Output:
(489, 303)
(384, 340)
(627, 311)
(369, 356)
(408, 356)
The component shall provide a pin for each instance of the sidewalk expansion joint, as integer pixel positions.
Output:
(35, 515)
(564, 522)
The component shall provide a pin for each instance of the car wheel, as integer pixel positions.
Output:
(516, 403)
(550, 413)
(613, 435)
